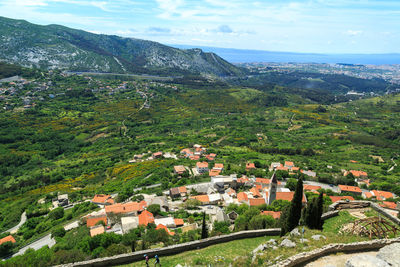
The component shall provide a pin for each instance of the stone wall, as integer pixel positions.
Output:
(329, 214)
(302, 258)
(385, 213)
(175, 249)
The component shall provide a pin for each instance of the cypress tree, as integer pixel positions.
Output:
(295, 207)
(320, 210)
(204, 232)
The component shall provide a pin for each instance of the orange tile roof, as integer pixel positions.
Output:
(100, 198)
(8, 238)
(358, 173)
(353, 161)
(91, 221)
(368, 194)
(157, 154)
(295, 168)
(202, 198)
(202, 164)
(349, 188)
(242, 196)
(196, 157)
(255, 192)
(214, 172)
(338, 198)
(126, 207)
(219, 165)
(382, 194)
(179, 222)
(289, 164)
(287, 196)
(274, 214)
(256, 201)
(182, 189)
(250, 166)
(179, 168)
(389, 205)
(308, 187)
(259, 187)
(97, 230)
(162, 226)
(281, 168)
(262, 181)
(146, 217)
(243, 180)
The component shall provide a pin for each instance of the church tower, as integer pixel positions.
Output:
(272, 189)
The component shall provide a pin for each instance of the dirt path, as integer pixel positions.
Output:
(336, 260)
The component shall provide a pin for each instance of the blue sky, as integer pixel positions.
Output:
(316, 26)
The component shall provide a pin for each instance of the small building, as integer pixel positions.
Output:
(220, 216)
(179, 169)
(146, 217)
(222, 182)
(275, 165)
(202, 167)
(157, 155)
(211, 156)
(254, 191)
(250, 166)
(167, 221)
(101, 199)
(162, 226)
(161, 201)
(289, 164)
(357, 174)
(92, 221)
(129, 208)
(189, 227)
(274, 214)
(256, 201)
(202, 198)
(232, 216)
(350, 189)
(179, 222)
(218, 166)
(8, 238)
(129, 223)
(312, 188)
(214, 172)
(214, 199)
(309, 173)
(389, 205)
(96, 230)
(242, 197)
(177, 192)
(382, 195)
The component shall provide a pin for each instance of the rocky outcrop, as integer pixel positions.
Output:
(390, 254)
(366, 261)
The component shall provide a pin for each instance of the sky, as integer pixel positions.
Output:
(309, 26)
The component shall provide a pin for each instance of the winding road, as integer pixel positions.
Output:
(15, 228)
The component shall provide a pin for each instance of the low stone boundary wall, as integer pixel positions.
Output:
(175, 249)
(305, 257)
(385, 213)
(329, 214)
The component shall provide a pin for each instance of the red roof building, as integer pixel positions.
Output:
(382, 195)
(92, 221)
(349, 189)
(179, 222)
(338, 198)
(389, 205)
(250, 166)
(204, 199)
(146, 217)
(129, 207)
(102, 199)
(256, 201)
(274, 214)
(242, 197)
(255, 192)
(308, 187)
(8, 238)
(162, 226)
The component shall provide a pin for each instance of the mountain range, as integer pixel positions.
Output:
(55, 46)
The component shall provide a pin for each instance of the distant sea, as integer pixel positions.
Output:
(249, 56)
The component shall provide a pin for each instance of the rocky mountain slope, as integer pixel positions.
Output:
(56, 46)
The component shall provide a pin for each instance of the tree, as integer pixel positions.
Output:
(204, 231)
(59, 232)
(57, 213)
(294, 214)
(155, 209)
(291, 184)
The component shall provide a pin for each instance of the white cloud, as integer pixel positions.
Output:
(353, 32)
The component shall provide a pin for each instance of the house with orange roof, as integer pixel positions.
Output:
(242, 197)
(132, 208)
(214, 172)
(357, 174)
(339, 198)
(194, 157)
(367, 195)
(350, 189)
(264, 182)
(295, 169)
(146, 217)
(96, 230)
(202, 167)
(274, 214)
(282, 168)
(275, 165)
(243, 180)
(8, 238)
(289, 164)
(254, 191)
(179, 222)
(250, 166)
(211, 156)
(382, 195)
(204, 199)
(92, 221)
(183, 191)
(256, 201)
(101, 199)
(162, 226)
(288, 196)
(389, 205)
(313, 188)
(219, 166)
(157, 155)
(309, 173)
(179, 169)
(186, 152)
